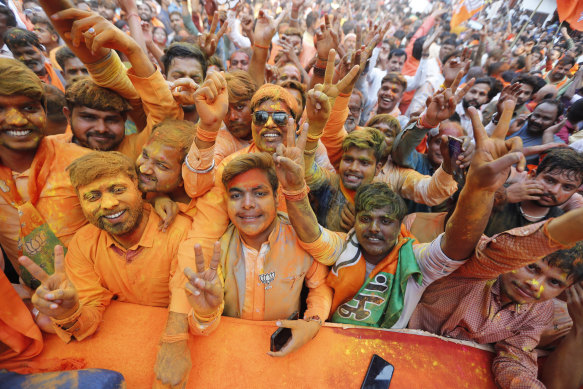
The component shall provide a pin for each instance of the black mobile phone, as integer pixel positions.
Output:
(378, 375)
(280, 337)
(454, 145)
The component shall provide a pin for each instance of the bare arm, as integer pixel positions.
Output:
(488, 171)
(264, 31)
(173, 361)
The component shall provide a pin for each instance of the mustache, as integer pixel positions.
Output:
(551, 196)
(107, 135)
(376, 236)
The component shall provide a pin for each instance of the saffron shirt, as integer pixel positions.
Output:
(467, 304)
(53, 196)
(20, 337)
(102, 270)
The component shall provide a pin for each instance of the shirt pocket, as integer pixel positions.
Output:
(292, 279)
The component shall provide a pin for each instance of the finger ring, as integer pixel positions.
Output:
(91, 31)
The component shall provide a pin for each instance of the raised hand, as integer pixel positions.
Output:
(289, 160)
(302, 332)
(211, 98)
(205, 290)
(442, 104)
(317, 108)
(265, 28)
(463, 160)
(509, 92)
(56, 296)
(208, 41)
(324, 39)
(96, 32)
(247, 27)
(453, 66)
(345, 85)
(494, 156)
(430, 40)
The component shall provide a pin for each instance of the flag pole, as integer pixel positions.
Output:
(525, 24)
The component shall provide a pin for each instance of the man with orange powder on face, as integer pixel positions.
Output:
(263, 259)
(38, 206)
(121, 254)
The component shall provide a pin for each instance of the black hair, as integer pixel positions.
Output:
(378, 195)
(10, 18)
(528, 80)
(557, 103)
(569, 260)
(566, 60)
(17, 37)
(495, 85)
(575, 112)
(418, 48)
(563, 160)
(184, 50)
(397, 53)
(63, 54)
(455, 53)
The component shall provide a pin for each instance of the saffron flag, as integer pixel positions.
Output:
(572, 12)
(465, 9)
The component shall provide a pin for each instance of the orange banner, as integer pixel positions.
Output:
(571, 11)
(235, 355)
(465, 9)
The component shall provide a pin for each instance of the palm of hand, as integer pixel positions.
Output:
(491, 150)
(292, 175)
(264, 30)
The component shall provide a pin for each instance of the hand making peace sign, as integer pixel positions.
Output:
(57, 296)
(205, 289)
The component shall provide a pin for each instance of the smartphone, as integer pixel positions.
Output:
(280, 337)
(378, 375)
(454, 146)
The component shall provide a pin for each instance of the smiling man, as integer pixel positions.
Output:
(37, 201)
(120, 255)
(382, 273)
(390, 93)
(25, 47)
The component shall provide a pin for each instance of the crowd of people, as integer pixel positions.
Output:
(360, 163)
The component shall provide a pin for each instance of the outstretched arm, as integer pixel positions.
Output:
(265, 28)
(488, 171)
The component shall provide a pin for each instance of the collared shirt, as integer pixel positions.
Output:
(102, 270)
(466, 120)
(467, 305)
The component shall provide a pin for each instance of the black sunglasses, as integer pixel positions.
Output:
(261, 117)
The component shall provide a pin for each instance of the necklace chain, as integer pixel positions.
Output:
(526, 215)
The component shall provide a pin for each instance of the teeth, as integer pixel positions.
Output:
(19, 133)
(271, 135)
(115, 215)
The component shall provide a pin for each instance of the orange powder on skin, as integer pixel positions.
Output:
(254, 233)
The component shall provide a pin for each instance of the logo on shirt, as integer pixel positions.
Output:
(266, 279)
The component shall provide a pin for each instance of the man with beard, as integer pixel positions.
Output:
(26, 48)
(97, 114)
(37, 202)
(544, 115)
(559, 75)
(236, 133)
(483, 90)
(523, 87)
(355, 106)
(121, 254)
(557, 178)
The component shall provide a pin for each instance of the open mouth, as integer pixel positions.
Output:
(19, 133)
(351, 178)
(271, 136)
(249, 218)
(114, 216)
(147, 179)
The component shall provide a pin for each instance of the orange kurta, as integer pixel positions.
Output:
(47, 187)
(20, 337)
(101, 269)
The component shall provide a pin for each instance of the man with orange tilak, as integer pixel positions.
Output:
(161, 162)
(38, 206)
(121, 254)
(263, 259)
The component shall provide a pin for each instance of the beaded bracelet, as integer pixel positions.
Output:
(421, 123)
